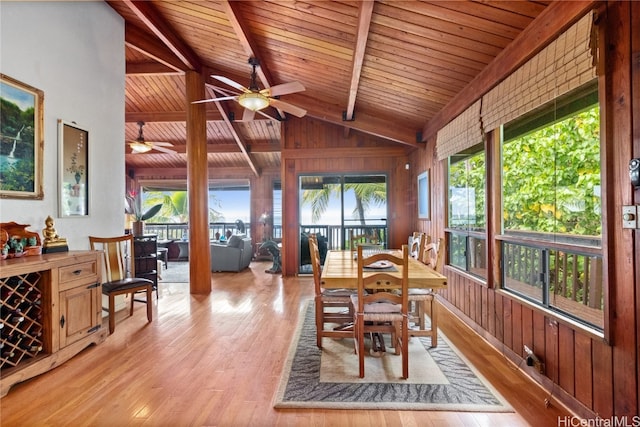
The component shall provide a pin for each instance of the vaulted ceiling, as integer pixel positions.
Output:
(384, 68)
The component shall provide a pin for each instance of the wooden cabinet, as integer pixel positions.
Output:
(51, 310)
(145, 252)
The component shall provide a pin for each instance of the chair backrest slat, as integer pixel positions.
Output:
(316, 266)
(383, 285)
(116, 256)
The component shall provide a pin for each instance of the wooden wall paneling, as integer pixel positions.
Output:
(473, 300)
(603, 398)
(484, 307)
(551, 348)
(539, 342)
(507, 325)
(566, 358)
(596, 372)
(635, 96)
(516, 330)
(289, 216)
(583, 370)
(527, 329)
(618, 192)
(311, 146)
(497, 316)
(491, 312)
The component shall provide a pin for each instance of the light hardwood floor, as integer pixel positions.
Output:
(216, 360)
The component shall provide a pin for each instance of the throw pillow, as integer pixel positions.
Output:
(235, 241)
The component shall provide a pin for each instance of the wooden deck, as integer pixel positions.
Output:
(217, 359)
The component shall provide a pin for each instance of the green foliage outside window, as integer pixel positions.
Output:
(551, 178)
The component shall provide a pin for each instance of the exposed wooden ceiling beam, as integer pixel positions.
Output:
(165, 116)
(137, 39)
(241, 144)
(249, 46)
(216, 147)
(148, 68)
(148, 14)
(364, 22)
(553, 20)
(391, 130)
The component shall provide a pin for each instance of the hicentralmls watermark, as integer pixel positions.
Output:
(616, 421)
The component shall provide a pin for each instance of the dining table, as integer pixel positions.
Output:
(340, 271)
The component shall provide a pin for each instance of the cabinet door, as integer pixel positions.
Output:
(80, 313)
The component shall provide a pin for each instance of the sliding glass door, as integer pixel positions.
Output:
(331, 206)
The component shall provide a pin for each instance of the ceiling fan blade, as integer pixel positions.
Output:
(224, 98)
(159, 144)
(283, 89)
(231, 83)
(164, 150)
(248, 115)
(288, 108)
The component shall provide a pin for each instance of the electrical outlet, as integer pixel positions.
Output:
(533, 360)
(629, 217)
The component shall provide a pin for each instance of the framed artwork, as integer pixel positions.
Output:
(73, 169)
(21, 140)
(424, 192)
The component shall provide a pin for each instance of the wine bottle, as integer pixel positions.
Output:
(8, 354)
(16, 316)
(31, 348)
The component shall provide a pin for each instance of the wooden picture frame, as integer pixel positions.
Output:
(424, 193)
(21, 140)
(73, 170)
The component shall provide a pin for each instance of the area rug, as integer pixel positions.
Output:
(176, 272)
(439, 378)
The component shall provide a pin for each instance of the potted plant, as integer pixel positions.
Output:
(139, 217)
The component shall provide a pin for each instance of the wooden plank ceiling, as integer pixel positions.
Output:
(383, 68)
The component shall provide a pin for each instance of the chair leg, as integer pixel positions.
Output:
(360, 339)
(434, 322)
(420, 305)
(112, 314)
(319, 321)
(133, 294)
(405, 348)
(150, 304)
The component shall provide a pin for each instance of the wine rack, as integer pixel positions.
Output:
(21, 324)
(51, 310)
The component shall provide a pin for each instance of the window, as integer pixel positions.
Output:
(334, 206)
(552, 222)
(467, 213)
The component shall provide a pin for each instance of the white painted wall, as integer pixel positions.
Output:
(74, 52)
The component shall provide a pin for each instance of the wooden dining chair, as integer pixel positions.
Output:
(423, 301)
(371, 241)
(381, 304)
(333, 308)
(416, 243)
(119, 274)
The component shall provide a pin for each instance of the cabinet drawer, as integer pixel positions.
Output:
(84, 272)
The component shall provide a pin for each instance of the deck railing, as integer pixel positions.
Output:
(559, 277)
(180, 231)
(338, 236)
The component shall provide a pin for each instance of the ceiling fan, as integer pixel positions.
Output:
(254, 99)
(139, 145)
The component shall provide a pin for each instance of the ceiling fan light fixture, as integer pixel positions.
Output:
(253, 101)
(139, 147)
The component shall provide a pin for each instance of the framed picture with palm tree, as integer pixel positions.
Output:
(73, 169)
(21, 140)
